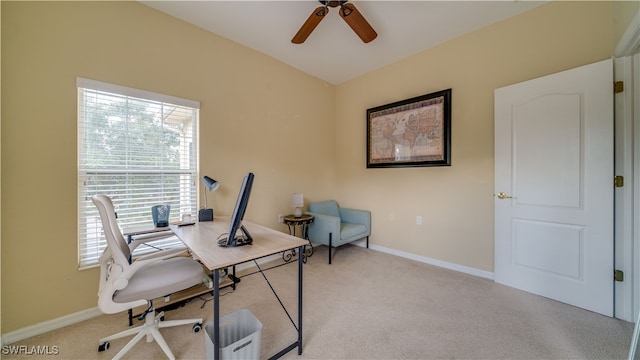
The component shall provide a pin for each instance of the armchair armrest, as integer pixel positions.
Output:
(356, 216)
(321, 227)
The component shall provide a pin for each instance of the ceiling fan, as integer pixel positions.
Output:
(348, 12)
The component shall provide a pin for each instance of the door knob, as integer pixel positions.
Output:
(502, 196)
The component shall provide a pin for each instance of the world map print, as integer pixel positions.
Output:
(408, 133)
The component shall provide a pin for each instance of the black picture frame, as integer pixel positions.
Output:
(411, 132)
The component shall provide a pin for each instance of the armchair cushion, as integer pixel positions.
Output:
(348, 231)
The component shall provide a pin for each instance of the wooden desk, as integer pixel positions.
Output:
(201, 239)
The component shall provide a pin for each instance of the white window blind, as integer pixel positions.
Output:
(140, 149)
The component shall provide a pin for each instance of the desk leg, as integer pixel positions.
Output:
(216, 314)
(130, 312)
(300, 261)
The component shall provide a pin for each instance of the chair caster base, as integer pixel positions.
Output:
(197, 327)
(104, 346)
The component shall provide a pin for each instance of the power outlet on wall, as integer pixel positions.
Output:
(419, 220)
(280, 218)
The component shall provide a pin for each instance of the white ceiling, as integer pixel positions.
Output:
(333, 52)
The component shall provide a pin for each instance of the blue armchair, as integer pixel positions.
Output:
(334, 226)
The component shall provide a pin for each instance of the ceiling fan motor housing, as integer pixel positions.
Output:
(332, 3)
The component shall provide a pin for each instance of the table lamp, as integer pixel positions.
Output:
(206, 214)
(297, 201)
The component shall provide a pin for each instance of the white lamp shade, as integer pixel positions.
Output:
(297, 200)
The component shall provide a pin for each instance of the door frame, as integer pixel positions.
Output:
(627, 148)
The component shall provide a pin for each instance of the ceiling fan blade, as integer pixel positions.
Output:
(357, 22)
(314, 19)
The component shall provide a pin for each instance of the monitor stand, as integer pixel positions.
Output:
(244, 239)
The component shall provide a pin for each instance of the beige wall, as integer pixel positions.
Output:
(0, 177)
(456, 202)
(255, 112)
(295, 132)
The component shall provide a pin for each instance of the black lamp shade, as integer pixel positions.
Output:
(210, 184)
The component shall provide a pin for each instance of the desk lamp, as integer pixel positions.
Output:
(297, 201)
(206, 214)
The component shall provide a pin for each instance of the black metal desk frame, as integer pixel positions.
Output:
(216, 312)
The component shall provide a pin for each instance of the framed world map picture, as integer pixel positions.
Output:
(412, 132)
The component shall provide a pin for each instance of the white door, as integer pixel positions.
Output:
(554, 186)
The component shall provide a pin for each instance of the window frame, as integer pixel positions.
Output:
(90, 237)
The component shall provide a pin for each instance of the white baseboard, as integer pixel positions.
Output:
(50, 325)
(427, 260)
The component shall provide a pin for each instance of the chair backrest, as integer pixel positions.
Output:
(329, 207)
(114, 261)
(120, 251)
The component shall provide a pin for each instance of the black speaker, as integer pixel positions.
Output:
(205, 215)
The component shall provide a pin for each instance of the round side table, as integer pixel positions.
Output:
(293, 223)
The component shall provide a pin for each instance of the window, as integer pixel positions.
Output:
(139, 148)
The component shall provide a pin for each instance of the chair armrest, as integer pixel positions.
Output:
(164, 254)
(356, 216)
(148, 238)
(321, 226)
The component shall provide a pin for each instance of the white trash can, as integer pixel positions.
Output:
(240, 334)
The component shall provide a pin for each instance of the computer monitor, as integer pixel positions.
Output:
(238, 234)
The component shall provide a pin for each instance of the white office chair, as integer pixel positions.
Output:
(125, 285)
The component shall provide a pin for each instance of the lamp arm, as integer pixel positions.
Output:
(205, 198)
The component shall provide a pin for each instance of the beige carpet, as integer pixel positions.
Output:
(371, 305)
